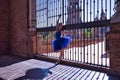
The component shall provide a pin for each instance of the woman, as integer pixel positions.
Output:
(60, 42)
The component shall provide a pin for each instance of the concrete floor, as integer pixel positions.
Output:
(15, 68)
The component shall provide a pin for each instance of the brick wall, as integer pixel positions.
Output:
(19, 27)
(4, 27)
(21, 38)
(114, 47)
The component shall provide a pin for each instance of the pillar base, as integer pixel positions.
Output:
(114, 49)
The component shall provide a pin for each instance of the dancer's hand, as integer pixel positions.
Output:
(59, 15)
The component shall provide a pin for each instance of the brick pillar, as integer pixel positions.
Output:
(114, 41)
(39, 44)
(32, 47)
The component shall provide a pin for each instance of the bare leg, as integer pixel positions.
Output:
(61, 56)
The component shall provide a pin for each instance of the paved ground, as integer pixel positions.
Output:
(14, 68)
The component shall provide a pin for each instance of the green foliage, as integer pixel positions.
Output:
(88, 32)
(47, 35)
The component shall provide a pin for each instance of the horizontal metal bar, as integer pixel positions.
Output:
(78, 26)
(88, 25)
(46, 29)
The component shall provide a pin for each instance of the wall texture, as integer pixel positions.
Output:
(21, 39)
(4, 27)
(19, 27)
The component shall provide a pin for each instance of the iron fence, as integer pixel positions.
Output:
(72, 11)
(85, 21)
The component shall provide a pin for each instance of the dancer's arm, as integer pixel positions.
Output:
(58, 20)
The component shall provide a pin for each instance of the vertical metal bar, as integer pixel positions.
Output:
(106, 8)
(87, 10)
(102, 46)
(80, 11)
(75, 14)
(90, 10)
(93, 30)
(84, 30)
(87, 47)
(97, 8)
(54, 16)
(110, 8)
(90, 50)
(47, 24)
(63, 11)
(58, 7)
(75, 43)
(71, 46)
(101, 4)
(84, 46)
(47, 13)
(84, 10)
(57, 12)
(105, 33)
(97, 32)
(82, 35)
(101, 34)
(94, 44)
(71, 15)
(93, 9)
(106, 60)
(78, 46)
(51, 3)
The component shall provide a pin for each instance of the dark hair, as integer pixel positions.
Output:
(59, 23)
(62, 26)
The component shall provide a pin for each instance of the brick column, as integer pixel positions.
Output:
(32, 47)
(114, 40)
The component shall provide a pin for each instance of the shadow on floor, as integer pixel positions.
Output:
(36, 74)
(8, 60)
(1, 79)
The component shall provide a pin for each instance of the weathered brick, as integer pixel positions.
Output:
(114, 44)
(4, 27)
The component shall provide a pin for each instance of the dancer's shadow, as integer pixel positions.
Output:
(36, 74)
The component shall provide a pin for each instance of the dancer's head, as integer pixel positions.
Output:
(60, 26)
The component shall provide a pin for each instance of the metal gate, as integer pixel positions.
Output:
(85, 21)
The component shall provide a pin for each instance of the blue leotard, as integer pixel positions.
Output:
(60, 42)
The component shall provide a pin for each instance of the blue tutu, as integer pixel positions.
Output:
(60, 42)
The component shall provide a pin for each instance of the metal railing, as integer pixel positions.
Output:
(85, 21)
(72, 11)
